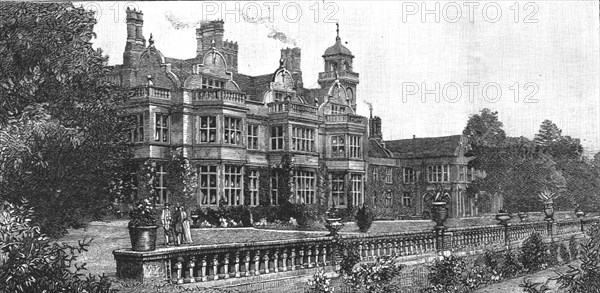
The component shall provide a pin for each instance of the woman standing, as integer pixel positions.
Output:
(178, 223)
(187, 231)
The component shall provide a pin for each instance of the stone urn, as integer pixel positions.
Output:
(522, 216)
(549, 210)
(439, 213)
(143, 238)
(333, 223)
(579, 213)
(503, 217)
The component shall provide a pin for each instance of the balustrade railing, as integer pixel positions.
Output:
(399, 244)
(521, 231)
(290, 107)
(474, 237)
(343, 118)
(218, 95)
(343, 73)
(151, 92)
(236, 261)
(568, 227)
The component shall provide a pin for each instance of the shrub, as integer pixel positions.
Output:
(349, 254)
(29, 262)
(510, 266)
(533, 256)
(585, 277)
(376, 276)
(552, 255)
(142, 214)
(447, 275)
(573, 247)
(320, 283)
(530, 287)
(364, 218)
(564, 253)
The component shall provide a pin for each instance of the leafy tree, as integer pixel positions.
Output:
(485, 129)
(181, 180)
(30, 262)
(63, 141)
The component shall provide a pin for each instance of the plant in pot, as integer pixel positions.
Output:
(522, 216)
(548, 197)
(439, 211)
(333, 222)
(142, 226)
(503, 216)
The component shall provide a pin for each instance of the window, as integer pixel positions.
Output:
(162, 128)
(277, 137)
(470, 174)
(207, 129)
(355, 147)
(274, 187)
(389, 201)
(252, 136)
(388, 175)
(305, 186)
(375, 173)
(278, 97)
(233, 185)
(406, 199)
(253, 187)
(356, 191)
(303, 139)
(337, 190)
(337, 109)
(233, 131)
(207, 175)
(409, 175)
(208, 83)
(438, 173)
(137, 131)
(462, 173)
(159, 185)
(338, 146)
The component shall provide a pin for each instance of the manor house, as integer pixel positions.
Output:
(237, 129)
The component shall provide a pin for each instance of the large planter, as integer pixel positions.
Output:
(439, 213)
(549, 210)
(143, 238)
(503, 218)
(333, 225)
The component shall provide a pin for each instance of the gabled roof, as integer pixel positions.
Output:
(425, 147)
(376, 150)
(253, 86)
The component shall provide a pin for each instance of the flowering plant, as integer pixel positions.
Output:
(320, 283)
(142, 214)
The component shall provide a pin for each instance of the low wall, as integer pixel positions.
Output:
(269, 265)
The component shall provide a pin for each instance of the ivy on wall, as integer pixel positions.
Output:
(378, 190)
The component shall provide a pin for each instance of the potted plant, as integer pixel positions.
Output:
(142, 226)
(522, 216)
(333, 223)
(548, 197)
(503, 216)
(439, 211)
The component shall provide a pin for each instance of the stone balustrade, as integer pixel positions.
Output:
(151, 92)
(344, 118)
(204, 95)
(290, 107)
(213, 264)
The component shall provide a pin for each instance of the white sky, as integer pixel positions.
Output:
(553, 47)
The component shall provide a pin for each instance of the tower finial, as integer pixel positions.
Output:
(151, 41)
(337, 31)
(212, 43)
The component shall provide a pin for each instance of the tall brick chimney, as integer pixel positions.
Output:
(136, 43)
(292, 58)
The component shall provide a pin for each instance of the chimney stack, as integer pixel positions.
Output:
(136, 43)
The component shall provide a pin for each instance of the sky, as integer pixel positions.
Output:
(425, 66)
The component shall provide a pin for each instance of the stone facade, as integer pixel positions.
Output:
(231, 125)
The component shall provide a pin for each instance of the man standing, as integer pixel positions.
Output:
(166, 221)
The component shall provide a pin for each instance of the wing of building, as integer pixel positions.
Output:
(236, 130)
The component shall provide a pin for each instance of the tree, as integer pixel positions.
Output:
(559, 146)
(181, 180)
(485, 129)
(62, 135)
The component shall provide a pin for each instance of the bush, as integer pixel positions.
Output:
(585, 277)
(364, 218)
(511, 267)
(376, 276)
(564, 253)
(552, 255)
(573, 247)
(29, 262)
(534, 255)
(349, 254)
(447, 275)
(320, 283)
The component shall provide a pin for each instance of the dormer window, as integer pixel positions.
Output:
(338, 109)
(209, 83)
(279, 97)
